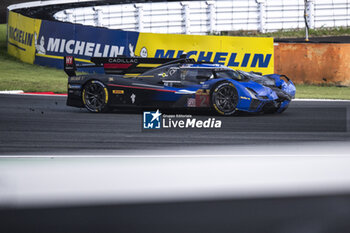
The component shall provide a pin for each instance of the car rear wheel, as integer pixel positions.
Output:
(95, 96)
(224, 98)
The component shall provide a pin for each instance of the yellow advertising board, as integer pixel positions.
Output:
(22, 33)
(46, 42)
(242, 53)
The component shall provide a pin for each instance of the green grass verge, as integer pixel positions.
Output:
(322, 92)
(16, 75)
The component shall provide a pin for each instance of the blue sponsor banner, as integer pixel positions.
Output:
(57, 39)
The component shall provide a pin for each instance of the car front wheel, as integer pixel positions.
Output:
(224, 98)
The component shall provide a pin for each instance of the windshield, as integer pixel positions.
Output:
(228, 74)
(258, 78)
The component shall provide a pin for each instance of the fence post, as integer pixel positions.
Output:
(310, 13)
(211, 16)
(98, 17)
(262, 15)
(69, 16)
(139, 16)
(185, 18)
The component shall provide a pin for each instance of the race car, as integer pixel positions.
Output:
(184, 83)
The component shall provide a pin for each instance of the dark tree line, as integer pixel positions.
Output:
(3, 6)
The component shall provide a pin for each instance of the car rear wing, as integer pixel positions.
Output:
(122, 65)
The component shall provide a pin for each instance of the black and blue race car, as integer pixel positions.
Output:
(175, 83)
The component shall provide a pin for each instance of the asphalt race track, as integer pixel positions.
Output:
(45, 125)
(172, 194)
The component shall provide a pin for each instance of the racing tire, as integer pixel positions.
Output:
(224, 98)
(95, 96)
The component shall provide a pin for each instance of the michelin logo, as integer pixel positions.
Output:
(144, 52)
(20, 36)
(39, 46)
(223, 58)
(77, 47)
(151, 120)
(131, 49)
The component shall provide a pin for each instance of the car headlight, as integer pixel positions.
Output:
(252, 93)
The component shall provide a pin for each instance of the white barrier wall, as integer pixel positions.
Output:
(202, 17)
